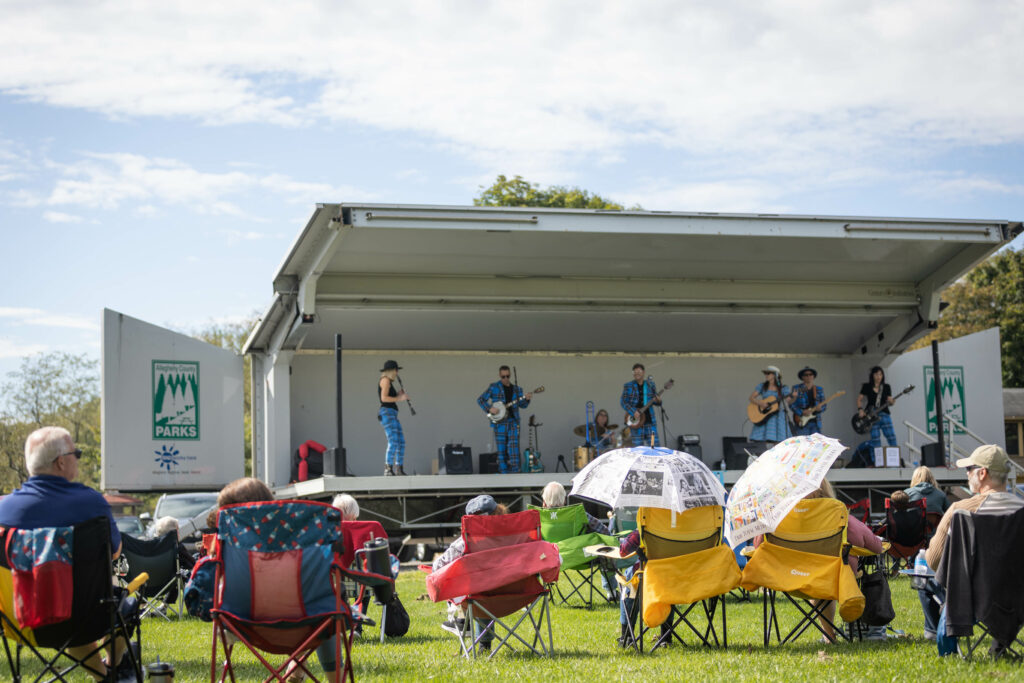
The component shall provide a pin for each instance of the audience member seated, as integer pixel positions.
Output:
(481, 505)
(924, 485)
(52, 498)
(987, 469)
(900, 500)
(553, 496)
(165, 525)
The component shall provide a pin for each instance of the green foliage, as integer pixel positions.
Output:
(992, 294)
(585, 650)
(520, 192)
(60, 389)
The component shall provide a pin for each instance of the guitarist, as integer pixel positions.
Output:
(808, 397)
(635, 395)
(877, 395)
(776, 427)
(506, 432)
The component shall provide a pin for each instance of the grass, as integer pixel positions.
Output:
(586, 650)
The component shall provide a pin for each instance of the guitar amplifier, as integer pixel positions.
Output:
(488, 463)
(932, 455)
(452, 459)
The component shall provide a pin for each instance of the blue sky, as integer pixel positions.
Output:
(158, 159)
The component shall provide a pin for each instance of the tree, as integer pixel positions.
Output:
(519, 192)
(990, 295)
(59, 389)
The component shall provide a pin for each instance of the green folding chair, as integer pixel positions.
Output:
(566, 527)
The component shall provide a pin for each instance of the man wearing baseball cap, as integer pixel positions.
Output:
(987, 470)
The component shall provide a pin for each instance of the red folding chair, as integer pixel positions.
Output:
(368, 557)
(278, 586)
(502, 581)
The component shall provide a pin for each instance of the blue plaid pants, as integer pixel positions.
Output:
(506, 438)
(396, 439)
(642, 435)
(883, 425)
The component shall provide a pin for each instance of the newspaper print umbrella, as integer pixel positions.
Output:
(775, 483)
(651, 477)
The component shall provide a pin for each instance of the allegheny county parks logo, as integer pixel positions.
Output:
(176, 400)
(954, 396)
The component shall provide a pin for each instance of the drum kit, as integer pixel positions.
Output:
(599, 439)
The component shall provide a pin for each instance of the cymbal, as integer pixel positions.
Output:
(581, 430)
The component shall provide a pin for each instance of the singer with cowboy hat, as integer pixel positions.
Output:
(387, 415)
(775, 427)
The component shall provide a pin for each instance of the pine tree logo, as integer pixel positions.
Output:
(954, 396)
(175, 400)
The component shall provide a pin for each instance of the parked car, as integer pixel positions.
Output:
(184, 507)
(131, 525)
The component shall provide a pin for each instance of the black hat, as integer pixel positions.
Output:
(807, 369)
(390, 365)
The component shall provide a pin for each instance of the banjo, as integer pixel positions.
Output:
(503, 408)
(634, 422)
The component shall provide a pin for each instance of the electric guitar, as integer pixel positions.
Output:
(862, 425)
(504, 408)
(634, 422)
(800, 421)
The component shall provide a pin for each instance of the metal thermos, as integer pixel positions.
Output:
(160, 672)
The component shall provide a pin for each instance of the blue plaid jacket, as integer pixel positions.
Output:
(631, 399)
(495, 393)
(802, 400)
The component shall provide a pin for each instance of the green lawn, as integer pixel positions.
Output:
(586, 650)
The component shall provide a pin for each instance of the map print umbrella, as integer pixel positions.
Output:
(651, 477)
(775, 482)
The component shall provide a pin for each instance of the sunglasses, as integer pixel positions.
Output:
(504, 376)
(77, 453)
(971, 468)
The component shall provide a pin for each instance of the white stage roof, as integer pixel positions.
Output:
(525, 279)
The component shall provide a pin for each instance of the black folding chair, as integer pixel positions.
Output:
(163, 594)
(98, 615)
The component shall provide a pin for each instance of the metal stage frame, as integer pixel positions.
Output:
(404, 503)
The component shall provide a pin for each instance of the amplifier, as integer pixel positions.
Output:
(488, 463)
(452, 459)
(932, 455)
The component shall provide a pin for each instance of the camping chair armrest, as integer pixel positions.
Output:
(858, 551)
(610, 552)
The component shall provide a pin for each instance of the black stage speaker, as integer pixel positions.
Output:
(727, 450)
(737, 458)
(452, 459)
(932, 455)
(694, 449)
(488, 463)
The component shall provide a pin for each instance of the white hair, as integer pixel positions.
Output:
(164, 525)
(348, 506)
(45, 445)
(553, 495)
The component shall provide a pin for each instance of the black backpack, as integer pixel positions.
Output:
(878, 610)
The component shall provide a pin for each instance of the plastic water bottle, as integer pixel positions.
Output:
(920, 571)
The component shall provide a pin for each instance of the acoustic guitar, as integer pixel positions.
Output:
(757, 414)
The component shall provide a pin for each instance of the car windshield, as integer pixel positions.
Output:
(129, 525)
(185, 506)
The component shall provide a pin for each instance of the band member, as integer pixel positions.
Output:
(387, 415)
(635, 395)
(506, 432)
(807, 397)
(875, 393)
(775, 427)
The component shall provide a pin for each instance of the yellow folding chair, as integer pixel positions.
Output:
(684, 564)
(806, 560)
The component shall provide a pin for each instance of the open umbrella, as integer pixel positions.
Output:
(651, 477)
(775, 483)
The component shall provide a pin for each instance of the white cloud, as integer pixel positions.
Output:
(58, 217)
(535, 85)
(109, 181)
(35, 316)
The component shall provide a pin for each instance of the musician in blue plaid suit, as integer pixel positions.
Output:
(635, 395)
(808, 395)
(506, 432)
